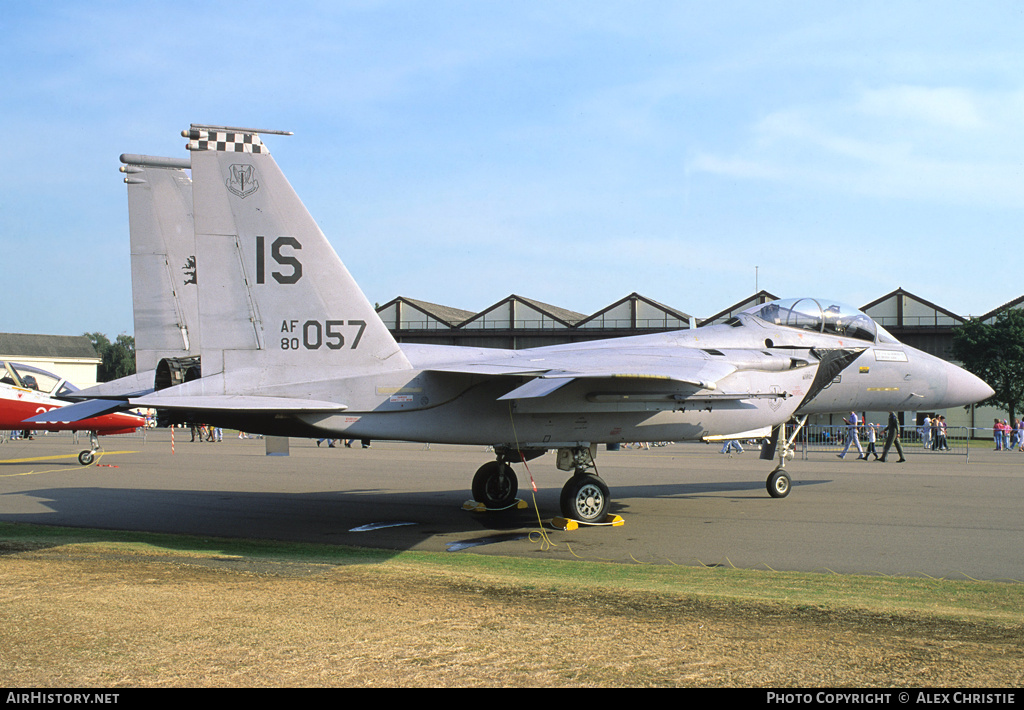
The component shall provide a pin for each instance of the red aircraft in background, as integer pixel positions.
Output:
(26, 391)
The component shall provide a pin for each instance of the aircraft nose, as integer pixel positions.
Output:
(963, 388)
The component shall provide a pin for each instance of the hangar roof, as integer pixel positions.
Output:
(518, 312)
(636, 312)
(757, 299)
(1015, 303)
(13, 345)
(902, 309)
(410, 314)
(896, 309)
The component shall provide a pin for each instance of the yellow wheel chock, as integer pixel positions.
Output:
(477, 507)
(568, 524)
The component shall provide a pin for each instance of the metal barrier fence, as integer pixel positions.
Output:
(914, 440)
(76, 437)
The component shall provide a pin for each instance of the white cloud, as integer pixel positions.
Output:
(941, 145)
(734, 167)
(943, 107)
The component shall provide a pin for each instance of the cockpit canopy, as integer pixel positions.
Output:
(809, 314)
(34, 378)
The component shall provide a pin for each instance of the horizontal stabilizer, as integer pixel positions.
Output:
(135, 385)
(77, 412)
(230, 402)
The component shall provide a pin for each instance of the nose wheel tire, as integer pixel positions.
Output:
(495, 485)
(778, 484)
(585, 498)
(86, 457)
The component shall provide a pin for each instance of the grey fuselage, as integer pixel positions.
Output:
(776, 366)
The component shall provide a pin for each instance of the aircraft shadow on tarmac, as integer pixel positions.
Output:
(730, 489)
(390, 520)
(394, 521)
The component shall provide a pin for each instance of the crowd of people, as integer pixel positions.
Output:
(1008, 437)
(891, 433)
(933, 433)
(205, 432)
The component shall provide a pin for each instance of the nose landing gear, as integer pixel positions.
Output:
(87, 456)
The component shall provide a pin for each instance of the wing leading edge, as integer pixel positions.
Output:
(685, 366)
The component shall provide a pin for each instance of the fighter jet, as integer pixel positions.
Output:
(290, 346)
(26, 390)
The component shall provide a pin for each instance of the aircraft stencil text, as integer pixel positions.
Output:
(314, 334)
(282, 259)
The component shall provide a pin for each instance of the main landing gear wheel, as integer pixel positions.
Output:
(495, 485)
(778, 484)
(585, 498)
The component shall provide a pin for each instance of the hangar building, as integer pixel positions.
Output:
(70, 356)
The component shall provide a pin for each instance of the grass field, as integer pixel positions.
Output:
(107, 609)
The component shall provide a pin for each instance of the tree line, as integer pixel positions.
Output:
(995, 353)
(118, 356)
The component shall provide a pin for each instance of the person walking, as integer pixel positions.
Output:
(942, 444)
(730, 445)
(892, 436)
(872, 433)
(852, 437)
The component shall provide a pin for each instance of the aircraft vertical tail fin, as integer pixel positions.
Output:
(164, 293)
(272, 290)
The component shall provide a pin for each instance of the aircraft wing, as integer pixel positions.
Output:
(557, 370)
(77, 412)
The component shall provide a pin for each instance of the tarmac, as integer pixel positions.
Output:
(937, 515)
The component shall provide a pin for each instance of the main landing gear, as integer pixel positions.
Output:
(495, 484)
(585, 497)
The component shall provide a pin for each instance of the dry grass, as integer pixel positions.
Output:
(72, 616)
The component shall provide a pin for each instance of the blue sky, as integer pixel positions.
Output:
(570, 152)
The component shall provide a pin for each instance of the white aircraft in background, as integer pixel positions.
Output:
(290, 346)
